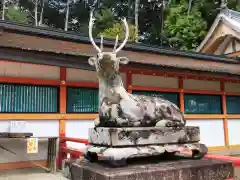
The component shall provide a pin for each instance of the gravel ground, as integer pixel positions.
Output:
(30, 174)
(237, 172)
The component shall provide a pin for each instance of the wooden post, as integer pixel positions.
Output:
(181, 95)
(63, 110)
(129, 81)
(224, 111)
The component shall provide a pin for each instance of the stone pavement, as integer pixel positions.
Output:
(237, 172)
(30, 174)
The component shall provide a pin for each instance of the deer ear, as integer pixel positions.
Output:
(123, 60)
(91, 61)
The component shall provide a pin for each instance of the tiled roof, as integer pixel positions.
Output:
(227, 16)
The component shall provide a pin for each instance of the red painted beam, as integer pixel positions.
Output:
(77, 140)
(74, 153)
(234, 160)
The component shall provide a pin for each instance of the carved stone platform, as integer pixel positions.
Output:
(118, 156)
(204, 169)
(118, 145)
(132, 136)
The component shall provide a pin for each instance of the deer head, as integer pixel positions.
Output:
(107, 62)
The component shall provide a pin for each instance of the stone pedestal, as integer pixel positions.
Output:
(117, 145)
(204, 169)
(132, 136)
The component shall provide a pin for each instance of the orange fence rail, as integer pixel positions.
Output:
(64, 150)
(234, 160)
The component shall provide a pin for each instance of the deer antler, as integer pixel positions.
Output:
(90, 27)
(126, 36)
(116, 43)
(101, 45)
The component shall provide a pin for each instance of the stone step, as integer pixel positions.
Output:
(203, 169)
(132, 136)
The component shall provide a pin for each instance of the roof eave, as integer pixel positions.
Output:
(223, 16)
(69, 36)
(210, 32)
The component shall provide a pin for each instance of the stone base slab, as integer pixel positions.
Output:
(133, 136)
(204, 169)
(118, 156)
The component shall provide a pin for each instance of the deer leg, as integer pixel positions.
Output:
(169, 123)
(121, 121)
(163, 123)
(96, 122)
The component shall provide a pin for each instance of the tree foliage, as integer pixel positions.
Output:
(118, 29)
(184, 31)
(171, 24)
(17, 15)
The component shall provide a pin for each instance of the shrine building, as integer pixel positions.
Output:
(46, 82)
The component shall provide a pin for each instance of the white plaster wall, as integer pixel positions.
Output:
(237, 46)
(234, 131)
(201, 85)
(155, 81)
(211, 131)
(78, 129)
(39, 128)
(14, 69)
(81, 75)
(229, 48)
(232, 87)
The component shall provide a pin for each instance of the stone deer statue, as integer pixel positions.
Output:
(118, 108)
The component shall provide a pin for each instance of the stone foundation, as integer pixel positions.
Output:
(118, 156)
(204, 169)
(142, 135)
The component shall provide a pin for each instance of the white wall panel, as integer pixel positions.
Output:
(39, 128)
(78, 129)
(211, 131)
(234, 131)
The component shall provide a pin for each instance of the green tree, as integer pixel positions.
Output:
(104, 20)
(17, 15)
(118, 29)
(184, 30)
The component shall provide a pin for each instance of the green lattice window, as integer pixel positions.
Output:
(233, 104)
(82, 100)
(202, 104)
(28, 99)
(173, 97)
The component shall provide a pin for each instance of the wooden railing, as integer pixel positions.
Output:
(73, 152)
(76, 153)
